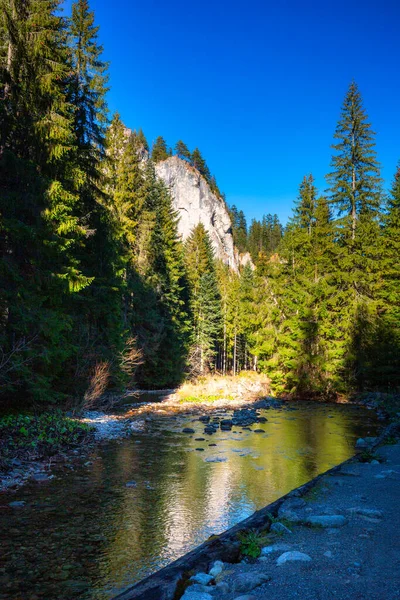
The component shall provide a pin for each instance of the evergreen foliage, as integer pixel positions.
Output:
(95, 280)
(160, 150)
(182, 151)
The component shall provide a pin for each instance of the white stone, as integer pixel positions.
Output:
(202, 578)
(293, 556)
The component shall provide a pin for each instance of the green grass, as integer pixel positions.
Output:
(203, 399)
(28, 436)
(251, 543)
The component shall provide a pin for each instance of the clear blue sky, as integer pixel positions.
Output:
(256, 85)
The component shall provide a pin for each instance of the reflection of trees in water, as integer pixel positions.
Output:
(192, 499)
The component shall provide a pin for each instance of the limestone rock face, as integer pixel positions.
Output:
(195, 203)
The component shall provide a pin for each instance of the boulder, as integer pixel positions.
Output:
(292, 556)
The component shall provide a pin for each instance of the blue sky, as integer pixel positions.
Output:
(256, 85)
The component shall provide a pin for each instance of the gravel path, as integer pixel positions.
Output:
(344, 542)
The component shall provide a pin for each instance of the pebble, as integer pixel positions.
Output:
(328, 554)
(293, 556)
(131, 484)
(17, 504)
(187, 430)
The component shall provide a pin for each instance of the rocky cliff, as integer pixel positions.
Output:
(196, 203)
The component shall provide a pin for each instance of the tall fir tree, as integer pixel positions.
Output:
(160, 150)
(205, 298)
(182, 151)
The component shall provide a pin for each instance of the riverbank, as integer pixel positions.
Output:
(31, 444)
(337, 535)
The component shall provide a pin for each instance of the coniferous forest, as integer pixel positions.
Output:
(96, 287)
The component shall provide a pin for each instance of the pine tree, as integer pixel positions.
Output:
(142, 141)
(355, 195)
(88, 88)
(305, 207)
(160, 150)
(200, 164)
(182, 151)
(355, 184)
(40, 229)
(205, 298)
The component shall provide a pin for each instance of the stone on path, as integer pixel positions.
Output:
(293, 556)
(275, 548)
(202, 578)
(327, 521)
(216, 459)
(279, 528)
(246, 582)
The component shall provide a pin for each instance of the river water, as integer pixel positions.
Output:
(88, 535)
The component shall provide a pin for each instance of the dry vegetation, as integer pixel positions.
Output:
(246, 386)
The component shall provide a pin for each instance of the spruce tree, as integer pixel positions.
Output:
(205, 298)
(200, 164)
(160, 150)
(355, 184)
(41, 225)
(182, 151)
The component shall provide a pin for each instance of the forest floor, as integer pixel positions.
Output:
(340, 540)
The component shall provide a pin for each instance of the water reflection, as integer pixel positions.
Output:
(88, 535)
